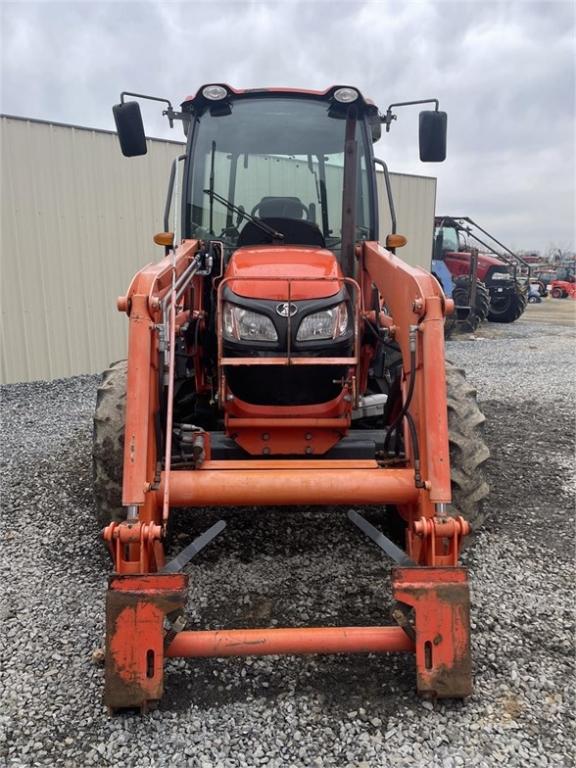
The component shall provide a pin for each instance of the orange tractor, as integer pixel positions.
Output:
(279, 355)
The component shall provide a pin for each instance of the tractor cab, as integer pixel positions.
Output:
(268, 168)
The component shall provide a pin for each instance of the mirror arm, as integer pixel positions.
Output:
(169, 196)
(170, 113)
(388, 192)
(389, 116)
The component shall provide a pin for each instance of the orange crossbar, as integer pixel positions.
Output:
(293, 640)
(245, 487)
(312, 423)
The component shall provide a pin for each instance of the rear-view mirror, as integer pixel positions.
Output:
(130, 127)
(432, 136)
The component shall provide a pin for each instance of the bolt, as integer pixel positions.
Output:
(418, 306)
(265, 436)
(308, 436)
(308, 449)
(266, 450)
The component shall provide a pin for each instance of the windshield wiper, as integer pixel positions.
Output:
(243, 215)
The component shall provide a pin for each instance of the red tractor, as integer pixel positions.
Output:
(501, 276)
(561, 289)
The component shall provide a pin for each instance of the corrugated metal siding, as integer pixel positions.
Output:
(414, 203)
(77, 224)
(77, 221)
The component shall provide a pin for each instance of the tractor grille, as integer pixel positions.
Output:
(286, 385)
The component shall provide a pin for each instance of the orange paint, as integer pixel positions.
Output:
(316, 266)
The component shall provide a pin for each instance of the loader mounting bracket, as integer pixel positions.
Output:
(145, 619)
(136, 607)
(440, 598)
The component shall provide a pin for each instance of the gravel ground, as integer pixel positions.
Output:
(296, 568)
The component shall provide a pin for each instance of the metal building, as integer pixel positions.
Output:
(77, 224)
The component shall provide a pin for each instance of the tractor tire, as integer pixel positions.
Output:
(468, 451)
(558, 293)
(510, 308)
(461, 296)
(108, 443)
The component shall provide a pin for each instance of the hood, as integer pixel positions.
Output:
(317, 266)
(483, 258)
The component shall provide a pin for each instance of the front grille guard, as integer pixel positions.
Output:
(288, 358)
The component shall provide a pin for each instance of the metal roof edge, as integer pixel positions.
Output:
(410, 175)
(81, 127)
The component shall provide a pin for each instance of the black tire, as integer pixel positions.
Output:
(508, 308)
(468, 451)
(108, 443)
(558, 293)
(461, 297)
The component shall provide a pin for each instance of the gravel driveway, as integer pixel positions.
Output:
(296, 567)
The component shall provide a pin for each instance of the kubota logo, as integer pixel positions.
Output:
(286, 310)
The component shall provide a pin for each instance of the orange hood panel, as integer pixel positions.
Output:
(317, 266)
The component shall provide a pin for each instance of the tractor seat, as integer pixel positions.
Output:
(280, 208)
(295, 231)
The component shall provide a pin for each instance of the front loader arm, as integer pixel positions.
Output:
(415, 300)
(143, 305)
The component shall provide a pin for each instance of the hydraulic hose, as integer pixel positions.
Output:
(411, 384)
(404, 413)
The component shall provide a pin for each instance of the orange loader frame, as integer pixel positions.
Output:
(146, 599)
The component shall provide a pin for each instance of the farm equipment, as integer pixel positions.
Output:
(278, 355)
(501, 276)
(470, 295)
(561, 289)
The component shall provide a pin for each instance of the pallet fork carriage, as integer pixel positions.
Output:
(278, 454)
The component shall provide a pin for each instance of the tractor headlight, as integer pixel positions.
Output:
(246, 325)
(327, 324)
(346, 95)
(214, 92)
(501, 276)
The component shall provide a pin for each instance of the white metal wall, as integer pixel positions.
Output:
(77, 224)
(414, 204)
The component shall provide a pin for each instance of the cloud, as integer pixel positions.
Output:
(504, 72)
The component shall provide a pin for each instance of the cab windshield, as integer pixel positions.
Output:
(450, 239)
(281, 160)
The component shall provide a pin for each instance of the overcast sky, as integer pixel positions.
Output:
(504, 72)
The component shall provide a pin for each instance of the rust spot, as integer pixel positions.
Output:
(134, 629)
(454, 682)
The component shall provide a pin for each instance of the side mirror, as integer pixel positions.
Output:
(432, 136)
(438, 243)
(128, 119)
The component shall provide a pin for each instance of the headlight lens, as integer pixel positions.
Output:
(346, 95)
(214, 92)
(501, 276)
(245, 325)
(328, 324)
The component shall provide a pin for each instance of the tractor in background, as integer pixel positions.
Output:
(496, 288)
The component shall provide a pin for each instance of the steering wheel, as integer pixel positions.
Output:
(303, 208)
